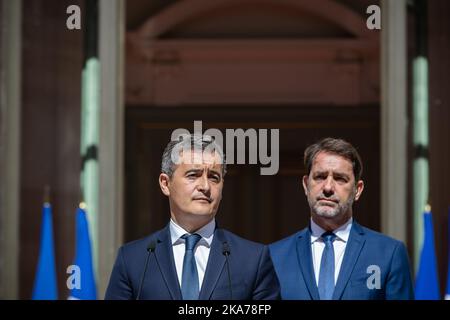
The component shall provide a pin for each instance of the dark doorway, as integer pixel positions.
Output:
(257, 207)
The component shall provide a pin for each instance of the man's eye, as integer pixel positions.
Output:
(319, 177)
(215, 178)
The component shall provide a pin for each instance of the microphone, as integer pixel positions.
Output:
(226, 253)
(150, 248)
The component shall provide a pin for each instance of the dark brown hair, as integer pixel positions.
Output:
(336, 146)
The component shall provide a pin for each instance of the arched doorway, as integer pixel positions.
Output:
(299, 67)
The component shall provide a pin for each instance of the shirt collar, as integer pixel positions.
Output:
(342, 233)
(206, 232)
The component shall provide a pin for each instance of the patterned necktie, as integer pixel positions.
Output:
(326, 275)
(189, 279)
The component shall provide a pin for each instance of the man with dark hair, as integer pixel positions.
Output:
(335, 258)
(192, 258)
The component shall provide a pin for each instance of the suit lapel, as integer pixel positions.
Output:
(304, 256)
(216, 262)
(166, 262)
(352, 251)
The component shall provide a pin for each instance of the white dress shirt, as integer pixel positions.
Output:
(317, 245)
(201, 250)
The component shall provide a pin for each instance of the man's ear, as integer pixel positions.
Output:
(164, 183)
(305, 184)
(359, 189)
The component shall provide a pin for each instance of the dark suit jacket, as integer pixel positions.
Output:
(368, 255)
(251, 270)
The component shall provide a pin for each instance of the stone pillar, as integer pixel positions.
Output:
(111, 143)
(393, 119)
(10, 111)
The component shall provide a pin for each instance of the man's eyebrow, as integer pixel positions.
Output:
(215, 171)
(194, 170)
(337, 174)
(341, 174)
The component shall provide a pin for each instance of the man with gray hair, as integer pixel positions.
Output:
(192, 258)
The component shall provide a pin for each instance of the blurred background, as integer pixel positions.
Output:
(90, 91)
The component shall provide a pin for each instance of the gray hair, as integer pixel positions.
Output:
(189, 142)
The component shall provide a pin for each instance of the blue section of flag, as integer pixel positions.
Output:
(427, 284)
(85, 288)
(447, 290)
(45, 285)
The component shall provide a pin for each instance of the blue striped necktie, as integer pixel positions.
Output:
(189, 278)
(326, 275)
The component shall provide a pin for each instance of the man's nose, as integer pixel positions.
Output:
(328, 188)
(203, 184)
